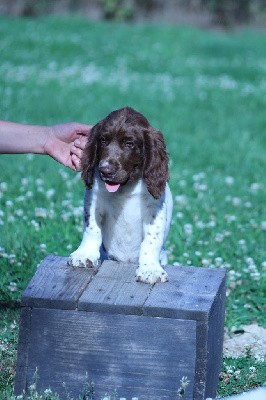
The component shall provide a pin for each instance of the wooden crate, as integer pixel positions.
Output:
(81, 325)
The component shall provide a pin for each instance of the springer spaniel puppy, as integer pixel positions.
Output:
(128, 203)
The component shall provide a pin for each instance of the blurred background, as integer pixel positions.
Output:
(205, 13)
(197, 70)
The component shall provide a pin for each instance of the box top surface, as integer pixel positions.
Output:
(112, 288)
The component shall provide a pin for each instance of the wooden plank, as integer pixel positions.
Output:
(136, 355)
(215, 340)
(56, 284)
(189, 294)
(115, 290)
(23, 349)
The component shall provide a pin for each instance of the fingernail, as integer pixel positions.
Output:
(77, 142)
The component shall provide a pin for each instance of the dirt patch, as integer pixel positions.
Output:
(250, 339)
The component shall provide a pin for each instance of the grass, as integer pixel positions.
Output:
(204, 90)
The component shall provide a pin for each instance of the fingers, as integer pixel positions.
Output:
(76, 162)
(76, 151)
(80, 142)
(83, 129)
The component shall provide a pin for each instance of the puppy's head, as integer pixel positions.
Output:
(125, 147)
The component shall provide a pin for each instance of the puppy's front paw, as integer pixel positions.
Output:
(83, 259)
(151, 274)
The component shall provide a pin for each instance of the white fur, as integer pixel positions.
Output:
(131, 225)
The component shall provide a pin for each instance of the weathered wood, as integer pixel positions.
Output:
(116, 352)
(23, 350)
(115, 290)
(125, 335)
(189, 293)
(56, 285)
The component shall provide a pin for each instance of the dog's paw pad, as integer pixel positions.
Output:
(78, 259)
(151, 276)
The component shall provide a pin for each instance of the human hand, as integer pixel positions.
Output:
(66, 142)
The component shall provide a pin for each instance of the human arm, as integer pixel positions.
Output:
(63, 142)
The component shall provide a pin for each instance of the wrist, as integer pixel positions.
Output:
(46, 139)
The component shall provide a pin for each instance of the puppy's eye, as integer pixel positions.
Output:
(129, 144)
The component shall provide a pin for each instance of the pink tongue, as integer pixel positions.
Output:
(112, 188)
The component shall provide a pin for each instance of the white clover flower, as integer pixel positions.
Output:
(177, 264)
(200, 224)
(230, 218)
(236, 201)
(19, 212)
(78, 211)
(218, 261)
(181, 199)
(229, 369)
(205, 262)
(20, 199)
(188, 228)
(263, 225)
(9, 203)
(24, 181)
(182, 183)
(199, 176)
(29, 194)
(229, 180)
(254, 187)
(249, 260)
(50, 193)
(39, 182)
(219, 237)
(32, 387)
(12, 287)
(43, 247)
(184, 382)
(179, 215)
(211, 224)
(41, 212)
(47, 392)
(35, 225)
(263, 264)
(200, 187)
(3, 186)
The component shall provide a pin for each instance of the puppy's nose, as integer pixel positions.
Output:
(106, 168)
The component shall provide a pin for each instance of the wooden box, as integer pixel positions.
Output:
(136, 340)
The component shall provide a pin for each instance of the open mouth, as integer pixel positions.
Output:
(111, 186)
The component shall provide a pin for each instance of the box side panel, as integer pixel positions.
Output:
(215, 341)
(201, 361)
(137, 356)
(23, 349)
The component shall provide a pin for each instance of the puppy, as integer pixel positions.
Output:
(128, 203)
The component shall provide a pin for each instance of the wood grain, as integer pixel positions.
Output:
(125, 335)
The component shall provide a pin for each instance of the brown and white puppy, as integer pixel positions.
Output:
(128, 203)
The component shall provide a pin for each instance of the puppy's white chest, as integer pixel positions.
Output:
(122, 228)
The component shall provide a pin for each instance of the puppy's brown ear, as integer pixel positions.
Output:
(89, 157)
(156, 171)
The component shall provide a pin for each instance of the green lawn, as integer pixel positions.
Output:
(206, 91)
